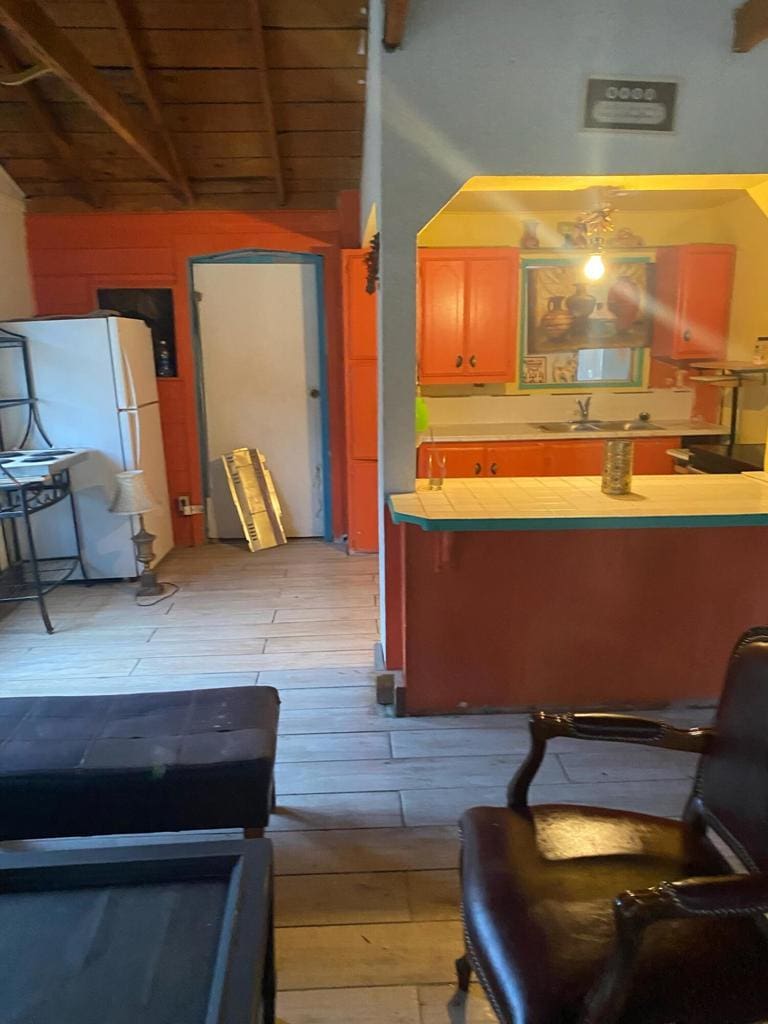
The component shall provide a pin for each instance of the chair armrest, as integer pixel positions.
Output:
(720, 896)
(598, 726)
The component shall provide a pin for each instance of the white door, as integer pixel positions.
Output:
(259, 335)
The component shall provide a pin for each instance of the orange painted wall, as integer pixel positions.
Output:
(71, 255)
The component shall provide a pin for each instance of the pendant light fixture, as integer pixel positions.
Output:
(596, 225)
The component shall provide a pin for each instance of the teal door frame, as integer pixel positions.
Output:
(268, 256)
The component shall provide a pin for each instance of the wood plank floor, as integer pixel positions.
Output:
(365, 836)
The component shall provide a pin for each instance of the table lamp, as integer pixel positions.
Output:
(132, 498)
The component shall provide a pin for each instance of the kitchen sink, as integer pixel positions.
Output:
(595, 426)
(570, 427)
(628, 425)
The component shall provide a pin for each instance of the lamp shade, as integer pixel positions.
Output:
(132, 497)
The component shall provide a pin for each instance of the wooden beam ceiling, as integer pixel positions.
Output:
(123, 15)
(253, 107)
(395, 15)
(265, 93)
(35, 30)
(46, 123)
(750, 25)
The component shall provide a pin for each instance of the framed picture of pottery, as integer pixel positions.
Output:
(565, 312)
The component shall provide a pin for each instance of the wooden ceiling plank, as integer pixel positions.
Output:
(212, 14)
(750, 25)
(122, 14)
(394, 23)
(35, 30)
(265, 90)
(50, 129)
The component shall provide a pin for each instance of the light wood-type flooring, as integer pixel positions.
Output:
(365, 836)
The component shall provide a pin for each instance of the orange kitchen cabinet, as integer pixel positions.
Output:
(362, 442)
(516, 458)
(359, 308)
(360, 404)
(693, 294)
(468, 303)
(461, 460)
(651, 455)
(363, 524)
(575, 458)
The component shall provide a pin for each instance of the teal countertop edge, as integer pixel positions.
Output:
(576, 523)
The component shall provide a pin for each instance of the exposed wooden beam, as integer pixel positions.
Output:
(262, 71)
(47, 43)
(47, 125)
(122, 14)
(750, 25)
(395, 15)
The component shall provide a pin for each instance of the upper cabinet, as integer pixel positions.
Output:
(693, 293)
(468, 314)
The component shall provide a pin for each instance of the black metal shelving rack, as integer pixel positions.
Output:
(27, 577)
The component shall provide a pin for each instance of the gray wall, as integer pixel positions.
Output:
(497, 87)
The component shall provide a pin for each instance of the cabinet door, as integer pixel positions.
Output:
(651, 455)
(516, 458)
(441, 315)
(363, 506)
(491, 317)
(359, 308)
(705, 301)
(361, 410)
(575, 458)
(461, 460)
(693, 293)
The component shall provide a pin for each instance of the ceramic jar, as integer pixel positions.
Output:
(557, 320)
(581, 304)
(624, 302)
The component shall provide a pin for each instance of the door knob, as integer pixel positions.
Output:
(459, 361)
(478, 467)
(687, 335)
(494, 469)
(314, 392)
(473, 361)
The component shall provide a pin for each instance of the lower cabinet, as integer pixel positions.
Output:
(363, 505)
(542, 458)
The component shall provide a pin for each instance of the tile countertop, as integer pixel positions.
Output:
(577, 503)
(529, 431)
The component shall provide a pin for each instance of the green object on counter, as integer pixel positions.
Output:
(422, 415)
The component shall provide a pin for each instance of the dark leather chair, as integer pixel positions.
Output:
(582, 914)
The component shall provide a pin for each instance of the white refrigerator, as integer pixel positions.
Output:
(94, 378)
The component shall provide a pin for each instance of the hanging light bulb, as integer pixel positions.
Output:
(594, 268)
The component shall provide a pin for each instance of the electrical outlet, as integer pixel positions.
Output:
(186, 508)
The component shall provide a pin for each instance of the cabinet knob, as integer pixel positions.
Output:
(494, 469)
(687, 335)
(478, 469)
(473, 361)
(459, 361)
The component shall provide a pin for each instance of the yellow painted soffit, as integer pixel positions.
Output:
(630, 182)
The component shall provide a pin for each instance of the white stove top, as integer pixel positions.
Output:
(38, 463)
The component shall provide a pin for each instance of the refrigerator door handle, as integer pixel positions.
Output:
(135, 427)
(129, 381)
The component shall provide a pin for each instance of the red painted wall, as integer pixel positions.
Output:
(71, 255)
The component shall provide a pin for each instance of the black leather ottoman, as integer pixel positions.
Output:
(140, 762)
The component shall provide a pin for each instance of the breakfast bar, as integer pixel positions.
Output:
(544, 592)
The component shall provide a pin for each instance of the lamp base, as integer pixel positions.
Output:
(148, 585)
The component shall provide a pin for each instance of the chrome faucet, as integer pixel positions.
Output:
(584, 408)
